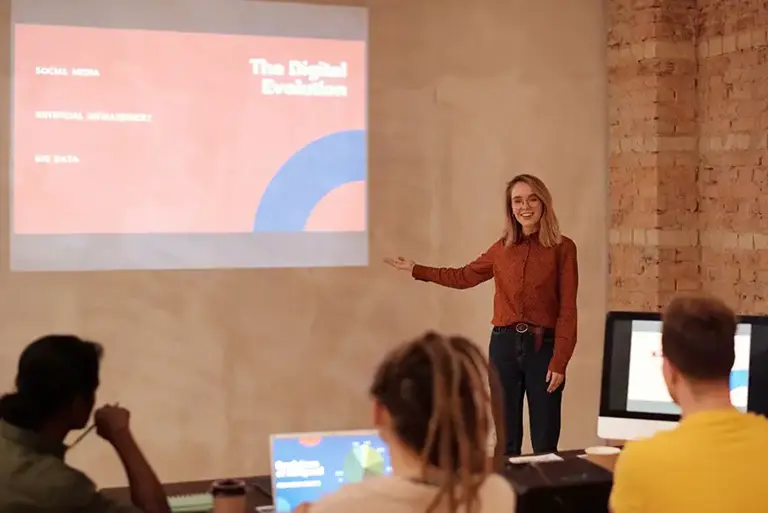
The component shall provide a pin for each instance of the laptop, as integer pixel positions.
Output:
(307, 466)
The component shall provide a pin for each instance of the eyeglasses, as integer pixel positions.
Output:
(530, 201)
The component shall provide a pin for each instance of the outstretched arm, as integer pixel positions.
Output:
(472, 274)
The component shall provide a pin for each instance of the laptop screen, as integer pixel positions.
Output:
(307, 466)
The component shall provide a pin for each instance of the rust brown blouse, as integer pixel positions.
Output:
(534, 284)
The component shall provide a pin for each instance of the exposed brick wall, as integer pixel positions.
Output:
(732, 51)
(654, 159)
(688, 85)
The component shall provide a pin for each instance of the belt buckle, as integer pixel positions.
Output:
(521, 327)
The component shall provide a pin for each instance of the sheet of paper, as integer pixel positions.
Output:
(538, 458)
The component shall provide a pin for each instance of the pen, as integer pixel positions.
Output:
(85, 433)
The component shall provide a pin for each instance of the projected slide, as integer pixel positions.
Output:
(646, 391)
(306, 468)
(191, 142)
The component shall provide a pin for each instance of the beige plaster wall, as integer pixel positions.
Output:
(463, 96)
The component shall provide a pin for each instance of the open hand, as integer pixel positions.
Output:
(400, 263)
(555, 380)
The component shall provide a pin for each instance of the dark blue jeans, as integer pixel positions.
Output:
(522, 372)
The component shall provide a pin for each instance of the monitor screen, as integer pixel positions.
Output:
(646, 390)
(307, 466)
(634, 395)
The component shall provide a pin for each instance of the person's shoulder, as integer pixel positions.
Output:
(567, 244)
(496, 494)
(647, 452)
(495, 249)
(54, 471)
(756, 427)
(388, 493)
(353, 495)
(757, 424)
(72, 483)
(55, 483)
(757, 420)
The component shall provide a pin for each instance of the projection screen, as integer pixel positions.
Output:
(188, 134)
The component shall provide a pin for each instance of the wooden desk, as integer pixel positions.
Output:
(607, 462)
(257, 484)
(255, 496)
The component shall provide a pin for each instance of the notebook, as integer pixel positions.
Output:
(307, 466)
(193, 503)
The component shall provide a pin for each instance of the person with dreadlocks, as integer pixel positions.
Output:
(433, 408)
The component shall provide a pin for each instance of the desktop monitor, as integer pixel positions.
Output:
(634, 402)
(307, 466)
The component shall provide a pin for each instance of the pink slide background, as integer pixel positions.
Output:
(213, 146)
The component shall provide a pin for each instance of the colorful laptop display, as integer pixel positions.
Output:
(307, 466)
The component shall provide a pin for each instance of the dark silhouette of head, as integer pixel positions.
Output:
(433, 396)
(56, 382)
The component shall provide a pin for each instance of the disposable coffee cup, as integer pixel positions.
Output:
(229, 496)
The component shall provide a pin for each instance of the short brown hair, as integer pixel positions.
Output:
(698, 337)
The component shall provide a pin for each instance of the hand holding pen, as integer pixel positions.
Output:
(109, 422)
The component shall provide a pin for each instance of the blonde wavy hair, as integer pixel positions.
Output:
(549, 230)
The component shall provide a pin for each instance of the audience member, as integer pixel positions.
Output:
(714, 460)
(432, 406)
(55, 393)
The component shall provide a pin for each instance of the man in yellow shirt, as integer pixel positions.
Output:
(715, 459)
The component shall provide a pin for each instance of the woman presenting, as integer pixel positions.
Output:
(535, 273)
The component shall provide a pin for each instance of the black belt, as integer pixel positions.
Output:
(522, 328)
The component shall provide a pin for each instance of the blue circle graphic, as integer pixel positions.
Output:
(307, 177)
